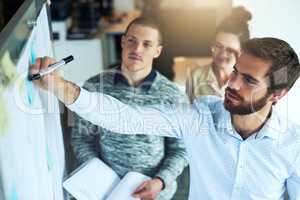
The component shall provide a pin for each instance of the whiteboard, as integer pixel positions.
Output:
(31, 146)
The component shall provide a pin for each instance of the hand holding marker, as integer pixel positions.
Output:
(51, 68)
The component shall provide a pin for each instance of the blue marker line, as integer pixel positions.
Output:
(49, 159)
(13, 193)
(28, 84)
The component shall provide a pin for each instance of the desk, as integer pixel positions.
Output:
(184, 65)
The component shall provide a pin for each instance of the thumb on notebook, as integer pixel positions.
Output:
(149, 189)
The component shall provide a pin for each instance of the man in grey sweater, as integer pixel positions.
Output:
(135, 82)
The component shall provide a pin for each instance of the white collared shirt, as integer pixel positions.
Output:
(222, 164)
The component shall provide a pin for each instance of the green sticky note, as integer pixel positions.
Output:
(3, 116)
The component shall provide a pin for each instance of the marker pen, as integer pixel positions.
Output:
(51, 68)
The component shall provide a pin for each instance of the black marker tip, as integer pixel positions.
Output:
(68, 59)
(34, 77)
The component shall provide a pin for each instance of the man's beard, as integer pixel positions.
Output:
(244, 108)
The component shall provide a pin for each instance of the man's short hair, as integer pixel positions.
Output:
(147, 22)
(285, 67)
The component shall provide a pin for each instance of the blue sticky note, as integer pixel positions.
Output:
(29, 91)
(13, 193)
(33, 54)
(49, 159)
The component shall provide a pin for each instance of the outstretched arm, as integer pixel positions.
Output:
(111, 114)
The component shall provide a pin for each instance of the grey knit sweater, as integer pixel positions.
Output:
(154, 156)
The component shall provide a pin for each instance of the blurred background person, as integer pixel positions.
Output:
(137, 83)
(212, 79)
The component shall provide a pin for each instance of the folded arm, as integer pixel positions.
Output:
(174, 161)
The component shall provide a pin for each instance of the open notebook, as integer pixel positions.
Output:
(94, 180)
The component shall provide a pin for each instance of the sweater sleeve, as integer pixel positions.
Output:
(175, 153)
(84, 140)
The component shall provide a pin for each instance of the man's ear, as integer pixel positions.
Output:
(123, 41)
(278, 94)
(158, 51)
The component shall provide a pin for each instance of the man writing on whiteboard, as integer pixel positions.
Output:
(239, 148)
(135, 82)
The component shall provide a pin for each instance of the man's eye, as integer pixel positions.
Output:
(219, 46)
(250, 81)
(147, 45)
(232, 51)
(131, 40)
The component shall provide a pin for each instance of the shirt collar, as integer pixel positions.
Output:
(224, 124)
(271, 129)
(210, 74)
(145, 85)
(212, 79)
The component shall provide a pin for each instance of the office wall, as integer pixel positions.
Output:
(277, 18)
(274, 18)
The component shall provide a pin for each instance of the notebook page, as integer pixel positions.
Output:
(127, 186)
(93, 181)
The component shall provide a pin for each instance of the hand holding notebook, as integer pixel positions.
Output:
(97, 181)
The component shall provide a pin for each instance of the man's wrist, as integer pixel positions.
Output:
(66, 91)
(161, 182)
(57, 85)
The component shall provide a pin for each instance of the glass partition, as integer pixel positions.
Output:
(14, 36)
(31, 144)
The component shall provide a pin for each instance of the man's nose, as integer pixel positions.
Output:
(138, 47)
(222, 54)
(235, 81)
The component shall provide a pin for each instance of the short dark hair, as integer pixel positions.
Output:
(236, 23)
(285, 67)
(148, 22)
